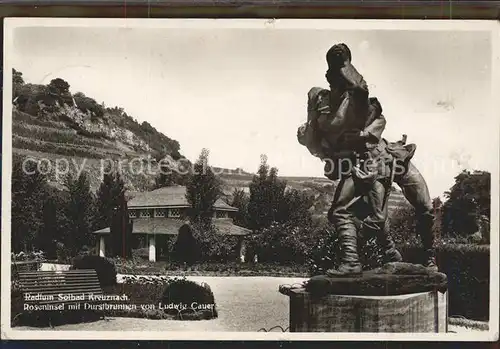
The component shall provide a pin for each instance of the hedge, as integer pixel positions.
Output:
(468, 269)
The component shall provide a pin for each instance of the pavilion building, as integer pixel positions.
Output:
(164, 211)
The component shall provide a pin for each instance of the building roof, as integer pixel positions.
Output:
(170, 226)
(174, 196)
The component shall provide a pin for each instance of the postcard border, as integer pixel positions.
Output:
(258, 24)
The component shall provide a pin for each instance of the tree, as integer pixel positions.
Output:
(437, 206)
(169, 175)
(112, 212)
(59, 88)
(295, 208)
(80, 212)
(17, 83)
(121, 230)
(85, 104)
(55, 222)
(29, 188)
(110, 195)
(276, 196)
(266, 196)
(467, 201)
(202, 190)
(240, 200)
(31, 96)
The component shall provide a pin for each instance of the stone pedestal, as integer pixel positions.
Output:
(399, 297)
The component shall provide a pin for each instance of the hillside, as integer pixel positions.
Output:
(70, 130)
(73, 131)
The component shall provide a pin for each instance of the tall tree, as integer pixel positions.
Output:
(258, 205)
(121, 230)
(110, 195)
(437, 206)
(202, 190)
(112, 212)
(80, 212)
(266, 196)
(29, 188)
(276, 189)
(468, 202)
(17, 83)
(296, 208)
(55, 222)
(240, 200)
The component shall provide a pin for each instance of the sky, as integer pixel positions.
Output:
(243, 92)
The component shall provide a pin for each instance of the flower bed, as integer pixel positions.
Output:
(150, 298)
(210, 269)
(164, 298)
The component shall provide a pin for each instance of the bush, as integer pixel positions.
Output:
(285, 243)
(62, 253)
(28, 256)
(468, 272)
(213, 246)
(186, 249)
(140, 253)
(105, 268)
(403, 223)
(188, 300)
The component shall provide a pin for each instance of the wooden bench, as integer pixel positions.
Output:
(60, 288)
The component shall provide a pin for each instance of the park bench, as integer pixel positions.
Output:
(60, 288)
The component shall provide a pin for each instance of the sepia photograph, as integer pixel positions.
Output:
(250, 179)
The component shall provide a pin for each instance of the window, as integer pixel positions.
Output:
(220, 214)
(132, 214)
(174, 212)
(145, 213)
(160, 212)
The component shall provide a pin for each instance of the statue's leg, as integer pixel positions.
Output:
(415, 190)
(376, 223)
(389, 251)
(342, 219)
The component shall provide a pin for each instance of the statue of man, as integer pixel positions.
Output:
(344, 127)
(350, 122)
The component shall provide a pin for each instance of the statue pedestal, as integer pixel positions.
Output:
(398, 297)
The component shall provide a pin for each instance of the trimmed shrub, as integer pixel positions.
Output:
(188, 300)
(105, 268)
(186, 249)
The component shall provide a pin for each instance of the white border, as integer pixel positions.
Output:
(258, 24)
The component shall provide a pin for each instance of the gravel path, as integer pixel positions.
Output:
(245, 304)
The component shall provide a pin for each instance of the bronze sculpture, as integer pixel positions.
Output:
(344, 129)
